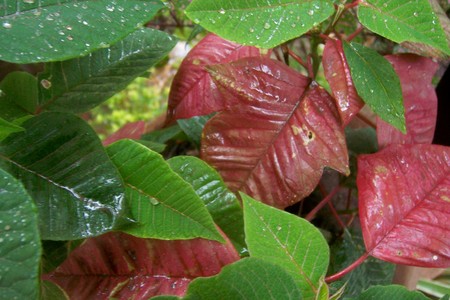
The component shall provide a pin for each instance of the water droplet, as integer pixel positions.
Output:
(371, 91)
(103, 45)
(266, 25)
(87, 45)
(278, 227)
(7, 227)
(293, 25)
(49, 17)
(7, 25)
(68, 27)
(120, 8)
(70, 38)
(61, 32)
(435, 257)
(84, 6)
(85, 23)
(310, 12)
(137, 7)
(291, 12)
(46, 84)
(154, 201)
(416, 14)
(258, 37)
(222, 11)
(110, 8)
(196, 20)
(252, 29)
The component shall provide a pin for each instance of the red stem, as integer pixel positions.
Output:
(348, 269)
(353, 4)
(354, 34)
(336, 215)
(322, 203)
(297, 59)
(366, 120)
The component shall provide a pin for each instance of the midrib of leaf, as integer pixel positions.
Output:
(288, 254)
(410, 211)
(273, 140)
(34, 6)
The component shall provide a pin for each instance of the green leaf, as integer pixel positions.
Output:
(55, 253)
(261, 23)
(18, 95)
(372, 272)
(193, 127)
(63, 165)
(390, 292)
(376, 83)
(154, 146)
(53, 30)
(219, 200)
(80, 84)
(401, 21)
(248, 278)
(51, 291)
(20, 248)
(164, 135)
(162, 203)
(433, 287)
(288, 241)
(6, 128)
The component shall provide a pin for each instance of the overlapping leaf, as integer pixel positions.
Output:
(132, 130)
(63, 165)
(192, 92)
(273, 145)
(419, 98)
(337, 73)
(120, 266)
(222, 204)
(163, 205)
(288, 241)
(404, 204)
(249, 278)
(80, 84)
(262, 23)
(6, 128)
(18, 95)
(20, 247)
(402, 21)
(390, 292)
(39, 31)
(377, 83)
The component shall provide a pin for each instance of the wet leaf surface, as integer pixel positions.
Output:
(404, 204)
(275, 143)
(120, 266)
(419, 99)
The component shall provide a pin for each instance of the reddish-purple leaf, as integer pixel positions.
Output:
(420, 101)
(337, 73)
(132, 130)
(404, 204)
(192, 92)
(275, 143)
(120, 266)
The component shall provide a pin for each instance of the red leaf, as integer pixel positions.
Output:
(337, 73)
(132, 130)
(404, 204)
(192, 92)
(420, 101)
(120, 266)
(273, 145)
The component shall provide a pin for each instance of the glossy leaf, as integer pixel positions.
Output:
(402, 21)
(39, 31)
(377, 83)
(337, 73)
(80, 84)
(18, 95)
(219, 200)
(163, 204)
(419, 98)
(249, 278)
(288, 241)
(390, 292)
(164, 135)
(120, 266)
(193, 127)
(192, 92)
(62, 164)
(404, 204)
(372, 272)
(20, 248)
(6, 128)
(273, 145)
(264, 24)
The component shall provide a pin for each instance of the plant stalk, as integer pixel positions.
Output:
(348, 269)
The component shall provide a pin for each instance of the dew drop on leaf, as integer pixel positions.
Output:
(266, 26)
(46, 84)
(7, 25)
(416, 14)
(222, 11)
(310, 12)
(252, 30)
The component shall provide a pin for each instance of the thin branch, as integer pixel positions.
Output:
(322, 203)
(348, 269)
(298, 59)
(354, 34)
(336, 215)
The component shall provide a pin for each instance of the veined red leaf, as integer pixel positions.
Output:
(192, 92)
(404, 204)
(419, 98)
(337, 73)
(120, 266)
(274, 145)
